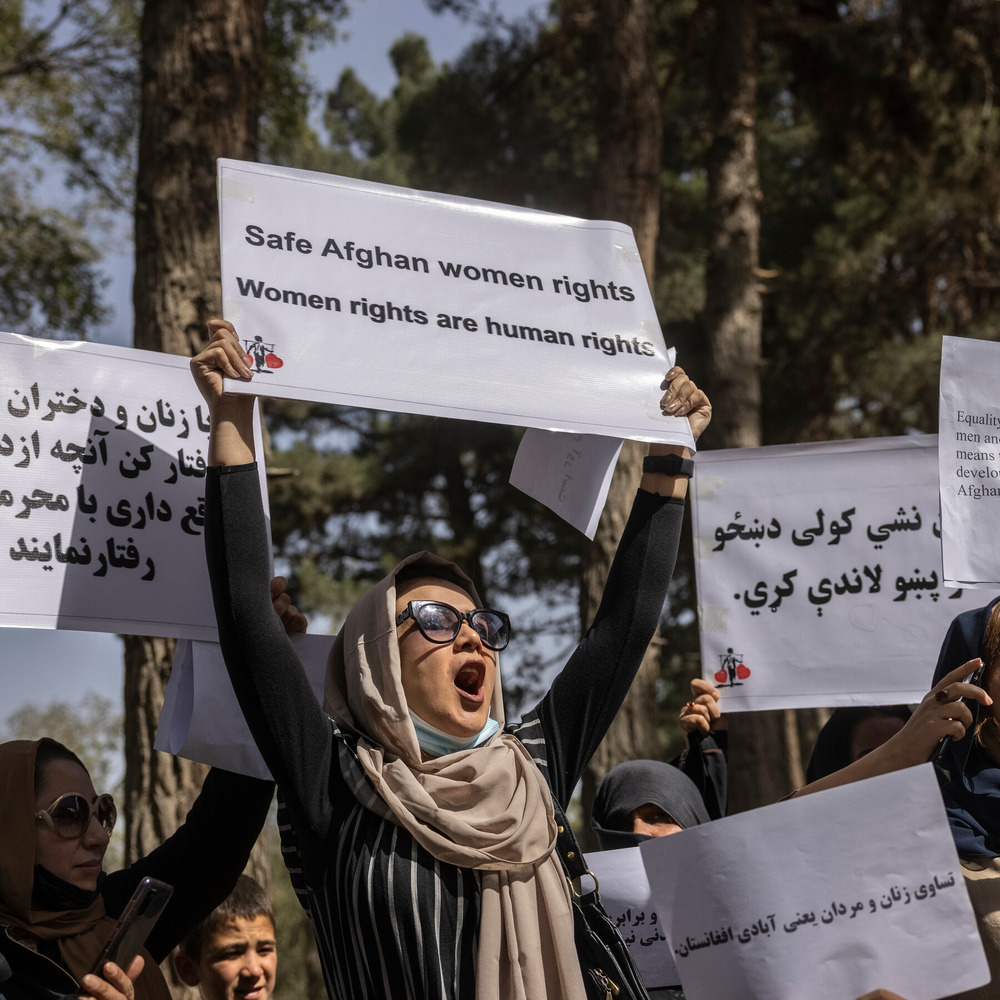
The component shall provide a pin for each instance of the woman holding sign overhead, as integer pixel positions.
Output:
(425, 825)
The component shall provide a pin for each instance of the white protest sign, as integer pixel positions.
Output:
(201, 718)
(628, 900)
(350, 292)
(827, 896)
(819, 573)
(102, 487)
(969, 459)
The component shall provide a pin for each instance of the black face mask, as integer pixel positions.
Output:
(50, 892)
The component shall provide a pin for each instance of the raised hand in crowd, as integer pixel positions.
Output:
(293, 619)
(701, 714)
(939, 716)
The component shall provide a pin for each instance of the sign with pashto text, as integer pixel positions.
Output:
(819, 573)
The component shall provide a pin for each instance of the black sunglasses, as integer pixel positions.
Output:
(440, 622)
(69, 816)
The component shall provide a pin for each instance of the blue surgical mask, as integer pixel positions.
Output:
(436, 743)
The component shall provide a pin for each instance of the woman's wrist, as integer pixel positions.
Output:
(674, 484)
(231, 437)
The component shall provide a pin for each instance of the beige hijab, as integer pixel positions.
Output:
(486, 808)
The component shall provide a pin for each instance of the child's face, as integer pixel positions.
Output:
(238, 961)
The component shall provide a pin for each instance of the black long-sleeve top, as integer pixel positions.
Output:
(390, 919)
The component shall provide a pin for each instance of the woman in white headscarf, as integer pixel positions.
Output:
(423, 822)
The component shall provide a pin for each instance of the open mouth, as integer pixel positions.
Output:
(469, 681)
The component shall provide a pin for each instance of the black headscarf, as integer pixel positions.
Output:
(635, 783)
(971, 787)
(833, 744)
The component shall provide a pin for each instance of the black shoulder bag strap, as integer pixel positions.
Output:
(608, 970)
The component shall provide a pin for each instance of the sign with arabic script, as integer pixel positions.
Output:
(102, 490)
(625, 893)
(819, 573)
(872, 897)
(345, 291)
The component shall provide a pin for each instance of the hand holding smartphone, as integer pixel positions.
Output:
(134, 925)
(976, 679)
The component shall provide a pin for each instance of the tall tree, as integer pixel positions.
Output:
(759, 744)
(627, 189)
(202, 66)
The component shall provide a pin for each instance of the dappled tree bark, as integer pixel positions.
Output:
(765, 751)
(627, 190)
(202, 62)
(732, 299)
(202, 68)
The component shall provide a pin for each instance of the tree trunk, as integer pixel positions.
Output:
(627, 190)
(202, 64)
(732, 300)
(765, 751)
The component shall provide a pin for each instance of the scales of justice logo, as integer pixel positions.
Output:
(733, 670)
(261, 356)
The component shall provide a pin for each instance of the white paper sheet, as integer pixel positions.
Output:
(969, 458)
(626, 895)
(819, 573)
(828, 897)
(102, 473)
(351, 292)
(201, 719)
(569, 473)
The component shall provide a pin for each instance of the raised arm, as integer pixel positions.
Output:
(288, 725)
(588, 692)
(939, 716)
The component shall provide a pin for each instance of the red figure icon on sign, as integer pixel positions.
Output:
(261, 356)
(733, 671)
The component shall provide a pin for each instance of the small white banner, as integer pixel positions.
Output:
(201, 718)
(102, 489)
(819, 573)
(827, 896)
(626, 896)
(350, 292)
(969, 459)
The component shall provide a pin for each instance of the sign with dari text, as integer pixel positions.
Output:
(102, 490)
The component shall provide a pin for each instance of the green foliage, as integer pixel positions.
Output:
(92, 729)
(67, 102)
(47, 269)
(69, 75)
(293, 28)
(884, 236)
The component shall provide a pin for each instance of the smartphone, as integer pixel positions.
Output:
(134, 925)
(971, 704)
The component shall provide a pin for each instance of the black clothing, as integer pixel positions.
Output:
(390, 919)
